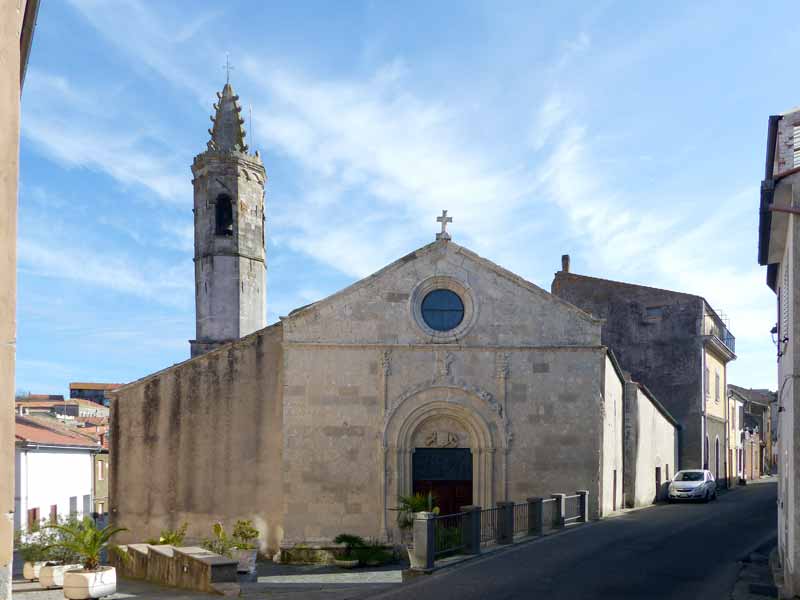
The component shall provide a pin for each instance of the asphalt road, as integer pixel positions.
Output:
(683, 551)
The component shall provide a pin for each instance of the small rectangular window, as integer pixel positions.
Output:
(705, 382)
(654, 312)
(716, 386)
(796, 145)
(33, 519)
(100, 470)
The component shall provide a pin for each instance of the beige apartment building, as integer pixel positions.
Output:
(17, 22)
(779, 251)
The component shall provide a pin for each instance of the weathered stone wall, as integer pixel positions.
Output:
(202, 442)
(365, 385)
(230, 272)
(660, 347)
(11, 23)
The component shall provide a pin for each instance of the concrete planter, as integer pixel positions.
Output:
(247, 560)
(52, 576)
(82, 585)
(30, 570)
(346, 563)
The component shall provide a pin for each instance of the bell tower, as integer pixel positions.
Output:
(229, 255)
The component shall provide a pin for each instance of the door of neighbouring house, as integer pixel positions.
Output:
(658, 481)
(447, 474)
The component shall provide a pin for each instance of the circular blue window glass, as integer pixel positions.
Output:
(442, 310)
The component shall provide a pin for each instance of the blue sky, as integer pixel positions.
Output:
(629, 135)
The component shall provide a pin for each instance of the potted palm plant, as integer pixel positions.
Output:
(244, 536)
(409, 506)
(60, 559)
(351, 543)
(32, 548)
(87, 541)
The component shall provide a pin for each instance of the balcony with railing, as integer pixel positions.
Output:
(716, 327)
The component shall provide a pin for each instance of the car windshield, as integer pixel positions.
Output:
(689, 476)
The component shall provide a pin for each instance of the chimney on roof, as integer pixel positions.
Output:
(565, 263)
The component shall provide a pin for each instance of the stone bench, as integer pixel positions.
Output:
(189, 568)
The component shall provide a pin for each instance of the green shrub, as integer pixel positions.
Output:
(220, 544)
(244, 533)
(413, 504)
(171, 537)
(373, 553)
(351, 543)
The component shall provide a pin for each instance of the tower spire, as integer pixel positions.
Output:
(227, 133)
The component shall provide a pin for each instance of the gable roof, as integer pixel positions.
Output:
(427, 249)
(759, 396)
(77, 385)
(33, 431)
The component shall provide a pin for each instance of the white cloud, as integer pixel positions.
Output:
(376, 158)
(154, 281)
(72, 129)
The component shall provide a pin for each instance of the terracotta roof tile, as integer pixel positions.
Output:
(94, 386)
(36, 432)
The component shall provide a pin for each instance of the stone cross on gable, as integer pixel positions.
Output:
(444, 220)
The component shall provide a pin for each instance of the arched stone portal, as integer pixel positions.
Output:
(444, 416)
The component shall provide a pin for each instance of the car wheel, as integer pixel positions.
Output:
(705, 498)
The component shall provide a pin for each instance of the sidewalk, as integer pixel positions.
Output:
(755, 579)
(270, 581)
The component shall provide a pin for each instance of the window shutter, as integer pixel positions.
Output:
(796, 145)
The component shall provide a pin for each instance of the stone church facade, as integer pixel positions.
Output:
(442, 372)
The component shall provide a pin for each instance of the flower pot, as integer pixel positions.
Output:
(346, 563)
(416, 562)
(52, 576)
(30, 570)
(81, 585)
(247, 560)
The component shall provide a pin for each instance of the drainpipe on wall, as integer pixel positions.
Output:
(703, 427)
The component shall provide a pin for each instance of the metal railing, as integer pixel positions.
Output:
(436, 537)
(489, 519)
(719, 331)
(572, 508)
(448, 534)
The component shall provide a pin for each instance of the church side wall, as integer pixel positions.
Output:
(201, 442)
(611, 462)
(554, 406)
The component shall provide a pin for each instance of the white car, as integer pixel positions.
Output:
(693, 484)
